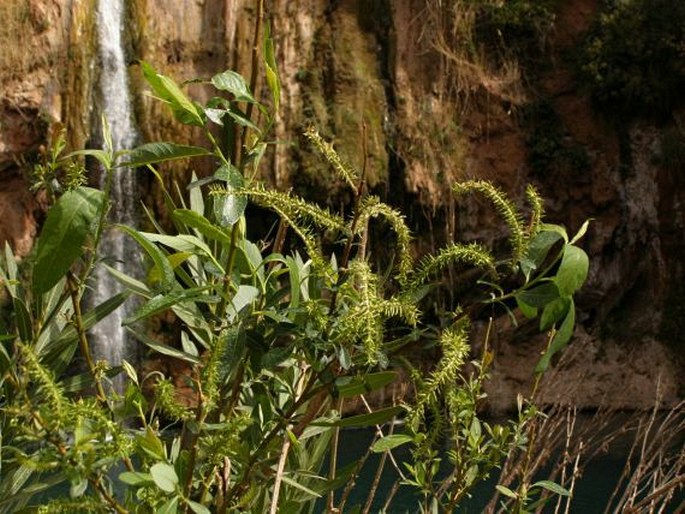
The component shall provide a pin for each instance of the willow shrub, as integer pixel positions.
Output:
(275, 344)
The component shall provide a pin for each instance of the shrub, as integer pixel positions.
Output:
(633, 57)
(276, 344)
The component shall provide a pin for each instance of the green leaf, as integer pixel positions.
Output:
(202, 225)
(229, 207)
(527, 310)
(135, 478)
(90, 318)
(170, 507)
(553, 312)
(166, 89)
(68, 224)
(165, 477)
(198, 508)
(390, 442)
(581, 232)
(365, 420)
(104, 157)
(506, 491)
(347, 387)
(552, 486)
(560, 339)
(539, 296)
(152, 153)
(166, 271)
(538, 249)
(235, 84)
(165, 349)
(270, 67)
(572, 270)
(151, 444)
(242, 298)
(163, 302)
(287, 480)
(24, 324)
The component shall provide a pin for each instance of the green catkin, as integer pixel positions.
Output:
(505, 208)
(344, 170)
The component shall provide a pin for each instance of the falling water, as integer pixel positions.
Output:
(109, 338)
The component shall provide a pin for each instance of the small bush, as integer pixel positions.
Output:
(633, 59)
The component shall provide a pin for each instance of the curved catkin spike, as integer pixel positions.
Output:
(506, 209)
(295, 206)
(372, 207)
(455, 351)
(472, 254)
(165, 398)
(537, 208)
(346, 172)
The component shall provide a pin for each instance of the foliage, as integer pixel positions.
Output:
(633, 56)
(275, 344)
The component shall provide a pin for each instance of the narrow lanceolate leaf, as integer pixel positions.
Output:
(66, 228)
(347, 387)
(552, 486)
(163, 302)
(560, 339)
(390, 442)
(202, 225)
(166, 271)
(166, 89)
(366, 420)
(572, 270)
(152, 153)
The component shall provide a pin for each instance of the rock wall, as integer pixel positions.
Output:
(431, 117)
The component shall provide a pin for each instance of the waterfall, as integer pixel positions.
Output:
(109, 340)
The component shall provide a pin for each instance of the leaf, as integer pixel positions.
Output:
(347, 387)
(506, 491)
(163, 302)
(69, 335)
(560, 339)
(160, 261)
(68, 224)
(235, 84)
(365, 420)
(581, 232)
(198, 508)
(202, 225)
(539, 296)
(538, 249)
(527, 310)
(103, 156)
(229, 207)
(135, 478)
(170, 507)
(165, 349)
(390, 442)
(286, 479)
(270, 67)
(152, 153)
(164, 476)
(552, 486)
(242, 298)
(166, 89)
(553, 312)
(572, 270)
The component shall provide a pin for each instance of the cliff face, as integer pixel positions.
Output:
(433, 115)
